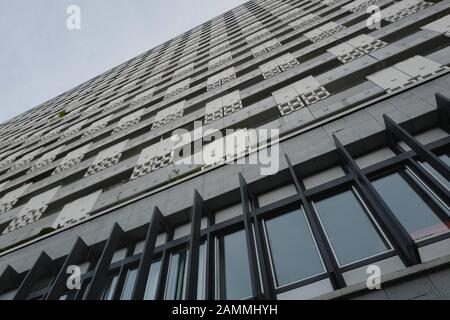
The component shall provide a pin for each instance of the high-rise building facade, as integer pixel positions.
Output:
(361, 110)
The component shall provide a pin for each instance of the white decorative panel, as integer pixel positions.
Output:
(96, 126)
(32, 211)
(258, 35)
(91, 110)
(52, 134)
(219, 48)
(116, 103)
(128, 121)
(305, 21)
(72, 159)
(266, 47)
(278, 65)
(390, 79)
(8, 160)
(420, 68)
(177, 89)
(358, 5)
(153, 158)
(366, 43)
(76, 211)
(288, 100)
(107, 158)
(441, 25)
(8, 201)
(71, 131)
(310, 90)
(223, 106)
(254, 26)
(291, 14)
(183, 71)
(128, 87)
(403, 9)
(23, 161)
(345, 52)
(46, 159)
(143, 97)
(189, 56)
(221, 78)
(220, 60)
(169, 114)
(324, 31)
(152, 80)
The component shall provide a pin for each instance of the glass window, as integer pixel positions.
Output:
(346, 222)
(152, 281)
(176, 281)
(110, 286)
(129, 284)
(411, 205)
(233, 267)
(436, 174)
(293, 250)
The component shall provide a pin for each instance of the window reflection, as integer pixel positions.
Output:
(346, 222)
(293, 250)
(413, 207)
(129, 284)
(233, 267)
(152, 281)
(176, 281)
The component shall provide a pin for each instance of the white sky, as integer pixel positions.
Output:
(40, 58)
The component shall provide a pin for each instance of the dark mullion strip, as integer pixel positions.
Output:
(426, 155)
(42, 263)
(210, 260)
(262, 249)
(251, 250)
(161, 288)
(79, 251)
(101, 270)
(122, 276)
(443, 107)
(399, 237)
(194, 247)
(331, 265)
(154, 229)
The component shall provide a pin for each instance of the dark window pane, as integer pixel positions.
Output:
(129, 284)
(294, 253)
(410, 209)
(234, 270)
(346, 223)
(176, 277)
(152, 281)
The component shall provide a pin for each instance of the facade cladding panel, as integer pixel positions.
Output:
(93, 177)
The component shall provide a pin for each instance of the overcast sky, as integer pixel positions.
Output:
(40, 58)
